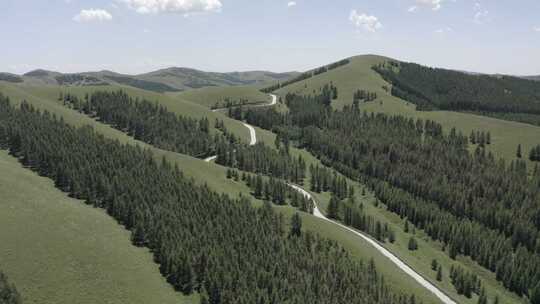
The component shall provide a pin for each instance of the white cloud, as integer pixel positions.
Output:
(444, 30)
(291, 3)
(481, 17)
(368, 23)
(412, 9)
(185, 7)
(537, 29)
(433, 4)
(90, 15)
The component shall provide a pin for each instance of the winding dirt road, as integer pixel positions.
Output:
(394, 259)
(385, 252)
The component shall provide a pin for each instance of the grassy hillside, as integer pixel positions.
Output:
(58, 250)
(213, 175)
(209, 97)
(506, 135)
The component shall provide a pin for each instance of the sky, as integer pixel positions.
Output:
(137, 36)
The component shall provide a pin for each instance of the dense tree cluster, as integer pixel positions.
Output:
(480, 137)
(481, 207)
(10, 77)
(229, 103)
(534, 154)
(465, 282)
(363, 96)
(147, 121)
(352, 214)
(261, 159)
(79, 79)
(8, 292)
(439, 89)
(275, 190)
(228, 250)
(323, 179)
(306, 75)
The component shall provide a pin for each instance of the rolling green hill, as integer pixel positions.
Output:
(212, 96)
(164, 80)
(358, 74)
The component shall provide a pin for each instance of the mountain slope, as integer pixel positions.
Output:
(358, 74)
(57, 248)
(165, 80)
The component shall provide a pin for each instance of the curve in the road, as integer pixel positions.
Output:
(317, 213)
(399, 263)
(252, 133)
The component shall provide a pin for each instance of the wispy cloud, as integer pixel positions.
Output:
(368, 23)
(90, 15)
(291, 3)
(185, 7)
(433, 4)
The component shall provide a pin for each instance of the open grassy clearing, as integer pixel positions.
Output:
(56, 249)
(208, 97)
(506, 135)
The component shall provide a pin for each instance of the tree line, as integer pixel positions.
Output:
(147, 121)
(440, 89)
(205, 242)
(363, 95)
(534, 154)
(477, 205)
(8, 291)
(306, 75)
(273, 190)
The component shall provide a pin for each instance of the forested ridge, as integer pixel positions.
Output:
(439, 89)
(307, 75)
(477, 205)
(225, 249)
(8, 292)
(147, 121)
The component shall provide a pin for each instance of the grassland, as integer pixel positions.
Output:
(209, 173)
(58, 250)
(506, 135)
(208, 97)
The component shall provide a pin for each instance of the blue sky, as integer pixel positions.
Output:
(135, 36)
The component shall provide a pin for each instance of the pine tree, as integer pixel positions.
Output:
(434, 264)
(406, 226)
(296, 225)
(518, 153)
(333, 207)
(412, 245)
(482, 299)
(439, 273)
(534, 297)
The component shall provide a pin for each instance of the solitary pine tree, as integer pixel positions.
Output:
(439, 273)
(434, 264)
(296, 225)
(413, 245)
(519, 154)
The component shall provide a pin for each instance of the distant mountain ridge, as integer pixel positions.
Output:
(172, 79)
